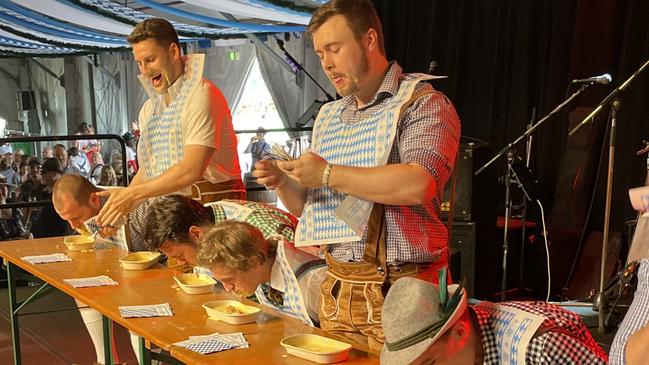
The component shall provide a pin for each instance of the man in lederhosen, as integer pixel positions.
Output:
(371, 186)
(187, 144)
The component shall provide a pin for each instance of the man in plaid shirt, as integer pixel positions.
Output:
(381, 155)
(175, 223)
(425, 325)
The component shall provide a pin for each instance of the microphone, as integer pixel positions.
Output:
(601, 79)
(280, 43)
(431, 67)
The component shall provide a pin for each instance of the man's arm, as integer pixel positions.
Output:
(427, 146)
(181, 175)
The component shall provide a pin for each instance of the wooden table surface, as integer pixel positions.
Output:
(155, 286)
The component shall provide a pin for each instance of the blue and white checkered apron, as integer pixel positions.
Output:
(161, 144)
(294, 304)
(364, 144)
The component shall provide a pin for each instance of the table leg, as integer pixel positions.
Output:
(145, 353)
(108, 339)
(13, 304)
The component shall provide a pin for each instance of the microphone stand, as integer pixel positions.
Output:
(294, 62)
(507, 150)
(601, 301)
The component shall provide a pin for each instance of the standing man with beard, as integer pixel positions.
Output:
(371, 187)
(188, 144)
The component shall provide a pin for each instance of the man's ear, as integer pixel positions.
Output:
(459, 335)
(195, 232)
(94, 201)
(371, 40)
(174, 51)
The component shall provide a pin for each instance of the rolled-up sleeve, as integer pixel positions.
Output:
(429, 134)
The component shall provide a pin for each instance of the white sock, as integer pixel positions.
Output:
(92, 320)
(135, 343)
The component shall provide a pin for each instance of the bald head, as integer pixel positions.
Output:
(73, 199)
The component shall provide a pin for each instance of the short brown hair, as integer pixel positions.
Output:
(170, 217)
(233, 244)
(360, 16)
(157, 28)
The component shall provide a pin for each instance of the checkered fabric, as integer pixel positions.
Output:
(136, 220)
(361, 144)
(152, 310)
(636, 317)
(210, 346)
(428, 134)
(567, 341)
(46, 259)
(161, 144)
(269, 220)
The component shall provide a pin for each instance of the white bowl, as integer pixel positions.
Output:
(195, 284)
(78, 243)
(316, 348)
(139, 260)
(231, 311)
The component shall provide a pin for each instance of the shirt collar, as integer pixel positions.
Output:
(276, 276)
(389, 87)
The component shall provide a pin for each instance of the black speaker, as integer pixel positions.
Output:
(463, 185)
(26, 100)
(462, 255)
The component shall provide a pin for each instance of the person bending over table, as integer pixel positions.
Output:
(281, 276)
(175, 223)
(188, 144)
(426, 325)
(76, 200)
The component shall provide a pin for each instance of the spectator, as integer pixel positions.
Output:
(11, 223)
(131, 157)
(257, 147)
(29, 190)
(18, 158)
(87, 146)
(108, 176)
(61, 154)
(97, 165)
(47, 153)
(79, 160)
(47, 223)
(23, 172)
(6, 170)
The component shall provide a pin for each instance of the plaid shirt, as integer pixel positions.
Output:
(566, 342)
(269, 220)
(136, 220)
(636, 317)
(428, 134)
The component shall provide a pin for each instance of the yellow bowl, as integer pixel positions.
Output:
(195, 284)
(78, 243)
(231, 311)
(139, 260)
(316, 348)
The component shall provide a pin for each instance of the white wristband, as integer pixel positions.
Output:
(325, 174)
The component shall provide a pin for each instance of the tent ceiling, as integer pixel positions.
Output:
(62, 27)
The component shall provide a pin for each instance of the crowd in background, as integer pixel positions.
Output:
(29, 178)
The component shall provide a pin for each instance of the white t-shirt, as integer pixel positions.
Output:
(205, 121)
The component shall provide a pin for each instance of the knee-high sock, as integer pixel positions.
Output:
(92, 320)
(135, 343)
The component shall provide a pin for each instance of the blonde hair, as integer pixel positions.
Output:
(234, 245)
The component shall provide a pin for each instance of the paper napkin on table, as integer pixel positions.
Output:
(151, 310)
(91, 281)
(46, 259)
(214, 343)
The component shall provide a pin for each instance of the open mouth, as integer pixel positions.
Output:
(157, 80)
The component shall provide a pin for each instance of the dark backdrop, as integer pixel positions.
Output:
(508, 58)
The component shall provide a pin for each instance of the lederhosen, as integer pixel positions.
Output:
(353, 292)
(161, 145)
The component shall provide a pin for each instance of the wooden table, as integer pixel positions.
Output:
(155, 286)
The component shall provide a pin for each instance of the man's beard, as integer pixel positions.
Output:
(354, 77)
